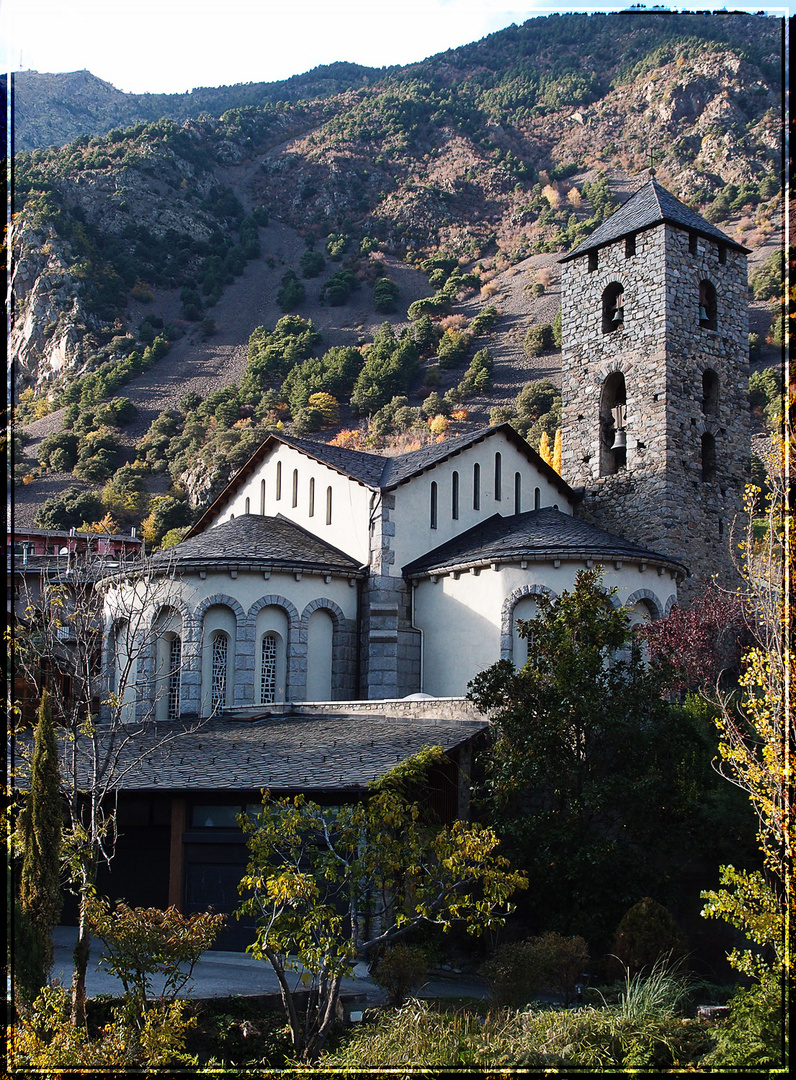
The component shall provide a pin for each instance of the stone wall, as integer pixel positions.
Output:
(660, 498)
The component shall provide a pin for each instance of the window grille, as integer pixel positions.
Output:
(268, 671)
(218, 677)
(175, 662)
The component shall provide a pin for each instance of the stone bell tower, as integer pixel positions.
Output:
(655, 376)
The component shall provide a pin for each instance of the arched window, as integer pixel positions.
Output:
(173, 689)
(517, 493)
(433, 509)
(312, 496)
(476, 486)
(262, 496)
(613, 308)
(708, 458)
(498, 477)
(278, 480)
(526, 608)
(613, 438)
(268, 659)
(707, 305)
(455, 496)
(710, 393)
(295, 487)
(329, 506)
(218, 671)
(320, 644)
(537, 498)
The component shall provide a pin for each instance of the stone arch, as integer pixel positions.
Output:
(613, 300)
(646, 595)
(507, 612)
(343, 682)
(295, 648)
(236, 650)
(667, 610)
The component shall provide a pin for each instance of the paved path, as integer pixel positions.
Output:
(224, 974)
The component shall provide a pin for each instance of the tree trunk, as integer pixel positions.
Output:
(80, 955)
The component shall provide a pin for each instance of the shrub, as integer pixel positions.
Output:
(539, 339)
(402, 969)
(768, 279)
(385, 295)
(70, 509)
(452, 348)
(291, 292)
(549, 963)
(338, 287)
(311, 263)
(646, 934)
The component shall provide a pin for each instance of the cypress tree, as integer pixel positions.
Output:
(40, 822)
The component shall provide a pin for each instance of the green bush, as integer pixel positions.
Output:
(484, 320)
(291, 292)
(385, 295)
(752, 1037)
(521, 970)
(311, 264)
(767, 280)
(58, 452)
(70, 508)
(646, 934)
(452, 349)
(402, 969)
(338, 287)
(538, 340)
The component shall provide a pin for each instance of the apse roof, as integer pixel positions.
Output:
(537, 535)
(251, 540)
(650, 205)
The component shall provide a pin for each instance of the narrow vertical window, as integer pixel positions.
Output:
(278, 480)
(517, 493)
(498, 477)
(476, 486)
(630, 245)
(707, 305)
(692, 244)
(295, 487)
(248, 509)
(710, 393)
(537, 498)
(433, 504)
(312, 496)
(262, 496)
(175, 662)
(613, 308)
(218, 674)
(455, 496)
(268, 670)
(708, 458)
(329, 506)
(722, 254)
(592, 261)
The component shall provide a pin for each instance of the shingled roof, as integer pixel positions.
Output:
(650, 205)
(378, 471)
(296, 753)
(536, 535)
(253, 540)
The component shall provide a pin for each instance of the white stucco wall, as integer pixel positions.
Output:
(348, 530)
(412, 514)
(461, 618)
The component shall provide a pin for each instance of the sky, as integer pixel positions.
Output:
(171, 46)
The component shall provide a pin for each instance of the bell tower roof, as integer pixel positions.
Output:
(651, 205)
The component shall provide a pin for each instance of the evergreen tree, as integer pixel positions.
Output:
(40, 833)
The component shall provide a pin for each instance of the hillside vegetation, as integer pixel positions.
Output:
(399, 230)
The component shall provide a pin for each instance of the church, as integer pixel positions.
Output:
(328, 610)
(324, 574)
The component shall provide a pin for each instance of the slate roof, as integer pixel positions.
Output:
(252, 540)
(377, 471)
(535, 535)
(650, 205)
(329, 753)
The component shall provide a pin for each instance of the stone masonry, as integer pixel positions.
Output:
(663, 495)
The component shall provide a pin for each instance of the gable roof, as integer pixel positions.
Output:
(377, 471)
(536, 535)
(252, 541)
(651, 205)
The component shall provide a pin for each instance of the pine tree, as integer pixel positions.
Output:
(40, 898)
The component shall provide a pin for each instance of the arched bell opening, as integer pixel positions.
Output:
(707, 305)
(613, 436)
(613, 307)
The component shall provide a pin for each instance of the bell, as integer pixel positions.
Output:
(619, 314)
(620, 440)
(703, 314)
